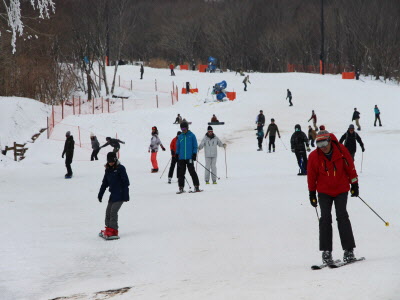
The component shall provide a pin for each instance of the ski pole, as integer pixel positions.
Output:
(386, 223)
(165, 167)
(208, 170)
(283, 143)
(317, 214)
(188, 183)
(362, 159)
(226, 165)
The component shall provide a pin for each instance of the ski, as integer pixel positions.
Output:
(195, 191)
(343, 263)
(319, 267)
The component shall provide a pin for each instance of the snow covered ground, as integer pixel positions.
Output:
(252, 236)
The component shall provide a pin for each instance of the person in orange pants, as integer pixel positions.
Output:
(153, 148)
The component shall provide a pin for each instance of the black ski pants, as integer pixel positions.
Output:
(245, 86)
(141, 75)
(271, 142)
(290, 101)
(343, 222)
(301, 155)
(260, 140)
(378, 117)
(182, 164)
(68, 162)
(174, 160)
(94, 154)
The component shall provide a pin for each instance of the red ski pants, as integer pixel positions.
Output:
(154, 160)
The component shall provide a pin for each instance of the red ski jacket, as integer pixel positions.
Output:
(171, 66)
(331, 177)
(172, 146)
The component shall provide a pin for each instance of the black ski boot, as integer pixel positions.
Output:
(348, 255)
(327, 257)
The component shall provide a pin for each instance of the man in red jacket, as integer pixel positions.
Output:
(330, 172)
(174, 158)
(171, 67)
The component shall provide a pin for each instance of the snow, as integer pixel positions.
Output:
(254, 235)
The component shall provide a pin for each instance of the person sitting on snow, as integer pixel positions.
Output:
(214, 119)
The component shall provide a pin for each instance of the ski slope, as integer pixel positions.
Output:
(254, 235)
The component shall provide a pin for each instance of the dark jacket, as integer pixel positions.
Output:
(117, 180)
(95, 143)
(113, 143)
(141, 69)
(297, 141)
(349, 140)
(272, 130)
(69, 146)
(289, 94)
(356, 115)
(261, 118)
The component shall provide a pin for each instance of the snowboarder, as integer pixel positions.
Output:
(174, 158)
(260, 135)
(272, 130)
(245, 81)
(312, 134)
(349, 139)
(314, 118)
(289, 95)
(356, 117)
(297, 142)
(95, 146)
(261, 118)
(377, 115)
(335, 159)
(69, 152)
(153, 148)
(116, 179)
(141, 71)
(186, 150)
(210, 143)
(178, 119)
(214, 119)
(113, 143)
(171, 67)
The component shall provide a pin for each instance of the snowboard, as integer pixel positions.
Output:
(109, 238)
(216, 123)
(179, 124)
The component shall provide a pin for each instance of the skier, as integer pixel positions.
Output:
(272, 130)
(245, 81)
(116, 179)
(349, 139)
(174, 158)
(193, 65)
(312, 134)
(214, 119)
(314, 118)
(210, 143)
(186, 150)
(141, 71)
(69, 152)
(178, 119)
(261, 118)
(113, 143)
(297, 142)
(289, 95)
(332, 184)
(260, 135)
(171, 67)
(153, 148)
(377, 115)
(357, 74)
(187, 87)
(356, 117)
(95, 146)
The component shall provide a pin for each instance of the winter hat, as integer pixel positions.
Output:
(92, 134)
(111, 157)
(178, 133)
(68, 133)
(185, 125)
(297, 127)
(272, 120)
(322, 127)
(209, 128)
(322, 135)
(351, 126)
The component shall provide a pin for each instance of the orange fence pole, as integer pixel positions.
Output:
(73, 104)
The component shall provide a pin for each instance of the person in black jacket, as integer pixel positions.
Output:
(261, 118)
(289, 95)
(116, 179)
(113, 143)
(297, 141)
(272, 130)
(69, 152)
(141, 71)
(356, 117)
(349, 141)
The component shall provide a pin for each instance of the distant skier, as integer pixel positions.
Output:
(245, 81)
(314, 118)
(116, 179)
(260, 135)
(174, 158)
(95, 146)
(357, 74)
(113, 143)
(171, 67)
(214, 119)
(377, 115)
(141, 71)
(272, 130)
(297, 142)
(330, 172)
(153, 148)
(186, 150)
(356, 117)
(210, 143)
(289, 95)
(193, 65)
(349, 141)
(178, 119)
(312, 134)
(69, 152)
(261, 118)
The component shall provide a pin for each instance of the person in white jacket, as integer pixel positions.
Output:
(153, 148)
(210, 143)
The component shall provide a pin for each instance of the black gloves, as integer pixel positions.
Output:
(354, 190)
(100, 198)
(162, 147)
(62, 156)
(194, 156)
(313, 198)
(172, 153)
(293, 150)
(362, 148)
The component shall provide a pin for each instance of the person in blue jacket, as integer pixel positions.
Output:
(377, 115)
(116, 179)
(186, 151)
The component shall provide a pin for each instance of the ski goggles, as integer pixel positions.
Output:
(183, 129)
(322, 144)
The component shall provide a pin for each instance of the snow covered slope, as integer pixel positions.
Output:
(254, 235)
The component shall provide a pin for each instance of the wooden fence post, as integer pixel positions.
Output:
(108, 105)
(52, 112)
(48, 134)
(73, 104)
(93, 100)
(102, 105)
(79, 104)
(157, 100)
(15, 151)
(131, 85)
(79, 134)
(119, 80)
(62, 109)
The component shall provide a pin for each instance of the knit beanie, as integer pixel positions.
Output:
(209, 128)
(323, 135)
